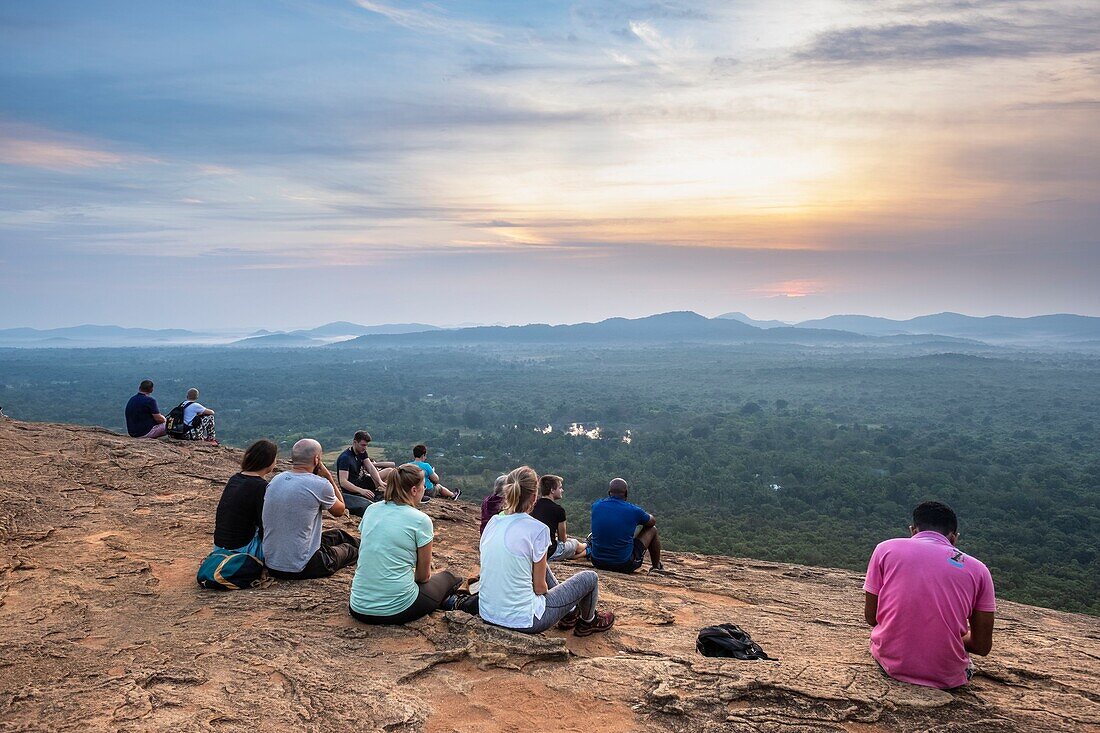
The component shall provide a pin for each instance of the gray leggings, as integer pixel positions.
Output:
(580, 592)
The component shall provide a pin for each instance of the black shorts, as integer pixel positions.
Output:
(635, 561)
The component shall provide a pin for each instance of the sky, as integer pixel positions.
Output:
(286, 163)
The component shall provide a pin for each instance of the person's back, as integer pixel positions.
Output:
(614, 521)
(509, 545)
(139, 415)
(927, 593)
(292, 519)
(240, 511)
(389, 537)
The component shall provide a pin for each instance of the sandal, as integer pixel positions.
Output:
(603, 621)
(569, 620)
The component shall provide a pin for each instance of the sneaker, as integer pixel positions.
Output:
(449, 602)
(603, 621)
(569, 620)
(425, 499)
(457, 493)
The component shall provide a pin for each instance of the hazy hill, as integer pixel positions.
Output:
(738, 316)
(338, 329)
(276, 340)
(98, 335)
(675, 327)
(1058, 327)
(105, 629)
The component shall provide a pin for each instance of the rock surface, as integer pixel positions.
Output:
(104, 628)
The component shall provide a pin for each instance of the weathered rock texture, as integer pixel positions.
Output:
(104, 628)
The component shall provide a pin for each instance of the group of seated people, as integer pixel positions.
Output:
(929, 604)
(144, 419)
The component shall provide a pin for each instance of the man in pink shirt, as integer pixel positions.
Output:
(928, 602)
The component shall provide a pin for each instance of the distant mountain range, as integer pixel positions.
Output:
(1059, 330)
(676, 327)
(738, 316)
(1060, 327)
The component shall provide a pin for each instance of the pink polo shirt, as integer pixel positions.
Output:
(927, 590)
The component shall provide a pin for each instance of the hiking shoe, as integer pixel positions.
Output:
(425, 499)
(457, 493)
(449, 602)
(569, 620)
(603, 621)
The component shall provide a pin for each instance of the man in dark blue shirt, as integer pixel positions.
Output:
(613, 544)
(143, 418)
(360, 478)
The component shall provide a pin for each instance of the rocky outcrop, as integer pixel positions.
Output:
(104, 628)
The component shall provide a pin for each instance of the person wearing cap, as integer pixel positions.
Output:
(616, 543)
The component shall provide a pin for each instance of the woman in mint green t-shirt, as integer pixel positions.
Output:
(393, 582)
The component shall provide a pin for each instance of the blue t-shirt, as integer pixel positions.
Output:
(139, 415)
(613, 523)
(428, 471)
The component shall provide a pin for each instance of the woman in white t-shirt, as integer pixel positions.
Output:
(518, 591)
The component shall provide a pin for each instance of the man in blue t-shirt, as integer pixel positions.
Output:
(143, 418)
(613, 544)
(431, 479)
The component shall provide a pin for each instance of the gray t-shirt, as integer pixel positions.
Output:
(292, 519)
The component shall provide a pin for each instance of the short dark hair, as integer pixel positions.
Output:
(361, 435)
(259, 455)
(932, 516)
(146, 386)
(548, 483)
(420, 450)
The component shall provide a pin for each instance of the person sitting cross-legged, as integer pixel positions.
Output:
(431, 479)
(361, 480)
(143, 418)
(929, 604)
(295, 548)
(199, 418)
(394, 582)
(548, 511)
(517, 589)
(613, 544)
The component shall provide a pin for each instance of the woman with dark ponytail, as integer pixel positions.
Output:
(393, 582)
(518, 591)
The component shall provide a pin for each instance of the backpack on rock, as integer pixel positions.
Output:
(729, 640)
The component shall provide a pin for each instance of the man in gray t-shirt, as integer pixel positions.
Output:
(294, 545)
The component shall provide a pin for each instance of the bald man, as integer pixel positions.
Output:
(295, 548)
(616, 541)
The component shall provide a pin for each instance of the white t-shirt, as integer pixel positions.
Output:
(191, 411)
(510, 545)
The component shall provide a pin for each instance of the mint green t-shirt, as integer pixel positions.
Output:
(390, 535)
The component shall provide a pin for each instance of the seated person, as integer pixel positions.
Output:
(239, 519)
(491, 504)
(394, 583)
(294, 545)
(928, 603)
(361, 479)
(143, 418)
(517, 589)
(613, 544)
(201, 419)
(548, 511)
(431, 480)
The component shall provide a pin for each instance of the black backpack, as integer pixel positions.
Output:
(729, 640)
(174, 424)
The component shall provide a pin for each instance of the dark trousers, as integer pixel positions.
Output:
(431, 596)
(338, 548)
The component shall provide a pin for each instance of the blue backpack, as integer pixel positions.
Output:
(233, 569)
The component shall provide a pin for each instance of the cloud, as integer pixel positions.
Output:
(790, 289)
(950, 40)
(22, 145)
(430, 19)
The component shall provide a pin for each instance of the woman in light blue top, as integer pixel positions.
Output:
(518, 590)
(393, 582)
